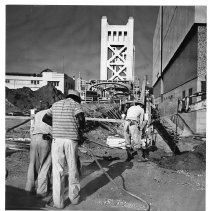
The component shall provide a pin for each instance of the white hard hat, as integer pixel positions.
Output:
(73, 92)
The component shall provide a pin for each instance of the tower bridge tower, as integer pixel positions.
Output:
(117, 51)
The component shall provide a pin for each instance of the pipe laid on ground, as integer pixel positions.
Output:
(122, 189)
(18, 125)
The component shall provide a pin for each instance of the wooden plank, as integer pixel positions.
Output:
(18, 117)
(87, 118)
(105, 120)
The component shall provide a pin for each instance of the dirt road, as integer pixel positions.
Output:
(174, 183)
(165, 189)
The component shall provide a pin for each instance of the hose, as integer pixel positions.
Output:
(18, 125)
(107, 175)
(111, 180)
(122, 189)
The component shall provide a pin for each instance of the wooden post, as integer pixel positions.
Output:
(177, 119)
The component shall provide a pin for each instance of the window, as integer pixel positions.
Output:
(120, 36)
(203, 89)
(190, 93)
(34, 82)
(7, 80)
(54, 83)
(114, 35)
(125, 36)
(109, 36)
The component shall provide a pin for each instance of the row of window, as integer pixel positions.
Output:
(35, 82)
(32, 81)
(117, 36)
(54, 83)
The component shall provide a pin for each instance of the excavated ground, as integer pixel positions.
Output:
(166, 182)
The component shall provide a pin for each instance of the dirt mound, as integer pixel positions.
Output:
(26, 99)
(10, 107)
(201, 149)
(189, 161)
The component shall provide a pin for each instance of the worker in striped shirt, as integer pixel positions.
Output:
(67, 123)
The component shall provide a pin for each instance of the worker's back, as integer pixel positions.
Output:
(65, 123)
(135, 113)
(39, 126)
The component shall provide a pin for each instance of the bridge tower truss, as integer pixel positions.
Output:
(117, 51)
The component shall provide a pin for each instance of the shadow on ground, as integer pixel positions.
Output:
(18, 199)
(114, 171)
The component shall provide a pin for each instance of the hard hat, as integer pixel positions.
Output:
(73, 92)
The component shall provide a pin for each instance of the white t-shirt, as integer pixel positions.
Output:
(38, 126)
(135, 113)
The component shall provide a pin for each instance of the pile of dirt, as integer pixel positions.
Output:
(25, 99)
(11, 108)
(189, 161)
(201, 150)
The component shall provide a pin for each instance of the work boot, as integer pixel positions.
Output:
(76, 200)
(143, 155)
(50, 205)
(129, 154)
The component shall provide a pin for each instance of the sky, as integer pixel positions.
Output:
(67, 38)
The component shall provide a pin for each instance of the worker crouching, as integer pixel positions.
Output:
(134, 124)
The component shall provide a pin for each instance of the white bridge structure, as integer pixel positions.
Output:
(117, 51)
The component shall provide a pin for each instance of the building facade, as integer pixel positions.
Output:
(179, 61)
(117, 51)
(35, 81)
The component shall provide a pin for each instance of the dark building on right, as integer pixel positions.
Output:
(179, 63)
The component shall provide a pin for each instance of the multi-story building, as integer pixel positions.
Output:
(117, 51)
(81, 86)
(179, 61)
(35, 81)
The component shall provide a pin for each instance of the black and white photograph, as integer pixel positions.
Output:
(105, 106)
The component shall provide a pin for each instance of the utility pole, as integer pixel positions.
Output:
(161, 53)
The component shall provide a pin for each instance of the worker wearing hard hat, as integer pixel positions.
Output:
(68, 121)
(134, 123)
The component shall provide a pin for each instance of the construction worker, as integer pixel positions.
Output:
(133, 129)
(68, 122)
(40, 156)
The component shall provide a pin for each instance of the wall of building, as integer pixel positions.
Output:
(201, 121)
(183, 61)
(170, 103)
(69, 83)
(202, 45)
(177, 22)
(16, 82)
(156, 89)
(61, 81)
(183, 67)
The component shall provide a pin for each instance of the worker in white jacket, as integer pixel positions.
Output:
(134, 123)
